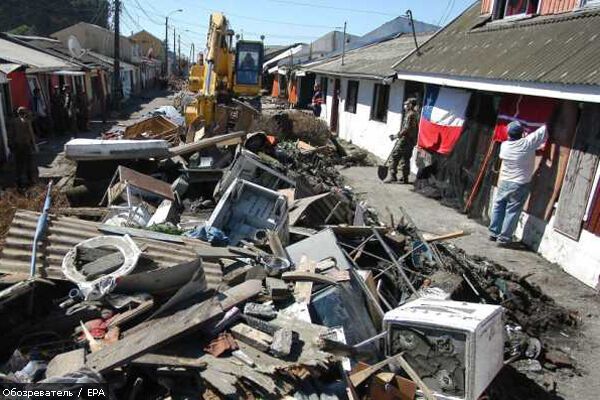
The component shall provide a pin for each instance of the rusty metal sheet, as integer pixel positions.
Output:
(64, 232)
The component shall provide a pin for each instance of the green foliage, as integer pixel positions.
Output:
(44, 17)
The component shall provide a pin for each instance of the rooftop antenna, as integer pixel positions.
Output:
(412, 24)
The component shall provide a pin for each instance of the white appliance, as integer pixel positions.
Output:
(455, 347)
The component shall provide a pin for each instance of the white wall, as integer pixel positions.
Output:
(358, 127)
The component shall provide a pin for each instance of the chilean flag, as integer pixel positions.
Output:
(532, 112)
(442, 118)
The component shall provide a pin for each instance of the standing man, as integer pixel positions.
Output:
(22, 144)
(69, 106)
(406, 140)
(57, 111)
(317, 100)
(518, 163)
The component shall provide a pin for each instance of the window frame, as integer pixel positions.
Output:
(500, 5)
(350, 104)
(375, 105)
(589, 4)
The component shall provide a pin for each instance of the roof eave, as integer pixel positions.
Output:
(574, 92)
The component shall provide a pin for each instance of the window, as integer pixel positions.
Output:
(324, 81)
(379, 108)
(249, 56)
(591, 3)
(514, 8)
(351, 97)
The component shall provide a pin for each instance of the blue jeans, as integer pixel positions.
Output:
(508, 205)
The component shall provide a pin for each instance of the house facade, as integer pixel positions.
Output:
(534, 61)
(363, 98)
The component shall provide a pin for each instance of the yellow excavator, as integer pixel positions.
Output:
(224, 73)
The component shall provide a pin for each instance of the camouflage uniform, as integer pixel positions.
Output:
(403, 149)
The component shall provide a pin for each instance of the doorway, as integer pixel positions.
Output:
(335, 112)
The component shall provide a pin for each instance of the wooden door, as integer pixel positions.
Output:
(335, 112)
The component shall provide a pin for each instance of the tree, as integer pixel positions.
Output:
(44, 17)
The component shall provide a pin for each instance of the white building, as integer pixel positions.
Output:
(363, 99)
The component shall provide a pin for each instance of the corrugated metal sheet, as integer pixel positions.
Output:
(487, 6)
(64, 232)
(38, 60)
(557, 6)
(562, 49)
(374, 61)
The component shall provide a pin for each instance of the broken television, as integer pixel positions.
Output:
(438, 356)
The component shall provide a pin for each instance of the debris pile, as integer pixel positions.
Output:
(239, 265)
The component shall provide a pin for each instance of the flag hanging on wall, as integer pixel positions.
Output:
(442, 118)
(532, 112)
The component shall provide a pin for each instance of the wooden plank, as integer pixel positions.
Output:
(164, 360)
(303, 289)
(129, 315)
(581, 170)
(551, 164)
(308, 276)
(204, 143)
(252, 337)
(451, 235)
(163, 330)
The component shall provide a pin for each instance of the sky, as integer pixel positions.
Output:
(280, 21)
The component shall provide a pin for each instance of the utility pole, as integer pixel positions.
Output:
(344, 44)
(179, 52)
(116, 86)
(174, 47)
(167, 46)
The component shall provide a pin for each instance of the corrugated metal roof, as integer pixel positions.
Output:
(558, 49)
(374, 61)
(64, 232)
(37, 60)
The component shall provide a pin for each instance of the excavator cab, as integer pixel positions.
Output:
(248, 68)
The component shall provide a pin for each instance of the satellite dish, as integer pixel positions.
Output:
(75, 47)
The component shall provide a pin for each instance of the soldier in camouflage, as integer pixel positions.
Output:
(406, 140)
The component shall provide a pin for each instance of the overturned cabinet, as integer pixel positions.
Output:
(247, 211)
(248, 166)
(456, 348)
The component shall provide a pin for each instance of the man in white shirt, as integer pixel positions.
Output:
(518, 163)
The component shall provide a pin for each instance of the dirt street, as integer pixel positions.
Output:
(431, 216)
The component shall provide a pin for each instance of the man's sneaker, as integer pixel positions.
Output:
(492, 238)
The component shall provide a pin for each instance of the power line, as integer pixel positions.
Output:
(146, 13)
(270, 21)
(356, 10)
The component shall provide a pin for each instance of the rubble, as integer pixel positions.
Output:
(239, 266)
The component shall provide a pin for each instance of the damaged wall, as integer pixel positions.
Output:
(580, 259)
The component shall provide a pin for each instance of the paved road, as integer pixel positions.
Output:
(431, 216)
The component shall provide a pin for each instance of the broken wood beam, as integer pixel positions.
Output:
(252, 337)
(295, 276)
(204, 143)
(451, 235)
(163, 360)
(162, 330)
